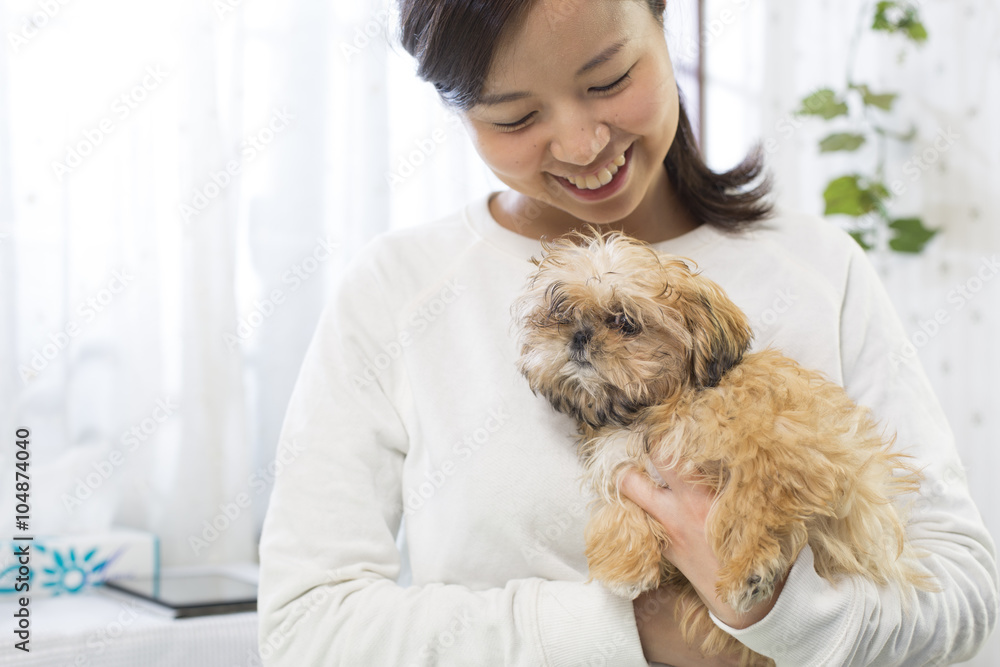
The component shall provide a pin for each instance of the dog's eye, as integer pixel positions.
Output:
(558, 317)
(623, 323)
(562, 316)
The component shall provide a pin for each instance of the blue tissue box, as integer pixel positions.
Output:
(72, 564)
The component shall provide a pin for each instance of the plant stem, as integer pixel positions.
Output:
(852, 57)
(852, 52)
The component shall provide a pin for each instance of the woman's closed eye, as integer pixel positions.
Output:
(516, 125)
(614, 87)
(609, 89)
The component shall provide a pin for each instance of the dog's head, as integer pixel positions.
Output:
(608, 326)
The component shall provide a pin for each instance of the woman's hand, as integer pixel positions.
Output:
(660, 634)
(681, 509)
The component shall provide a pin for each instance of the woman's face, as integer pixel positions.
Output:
(580, 108)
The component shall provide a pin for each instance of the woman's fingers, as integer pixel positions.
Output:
(679, 505)
(645, 493)
(682, 507)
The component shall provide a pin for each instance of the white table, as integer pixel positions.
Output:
(95, 630)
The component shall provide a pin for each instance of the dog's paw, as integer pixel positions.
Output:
(750, 592)
(627, 590)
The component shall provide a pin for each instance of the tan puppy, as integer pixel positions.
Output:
(652, 361)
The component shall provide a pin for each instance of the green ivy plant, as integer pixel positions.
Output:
(864, 196)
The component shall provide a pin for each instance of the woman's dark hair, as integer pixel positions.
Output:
(454, 42)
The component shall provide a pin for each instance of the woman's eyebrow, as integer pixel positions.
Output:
(601, 58)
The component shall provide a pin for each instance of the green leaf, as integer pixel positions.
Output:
(823, 103)
(916, 31)
(881, 20)
(899, 17)
(843, 195)
(911, 235)
(877, 192)
(842, 141)
(848, 196)
(859, 236)
(881, 100)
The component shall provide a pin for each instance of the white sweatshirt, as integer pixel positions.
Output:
(409, 411)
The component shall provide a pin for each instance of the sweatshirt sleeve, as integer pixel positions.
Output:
(852, 621)
(328, 553)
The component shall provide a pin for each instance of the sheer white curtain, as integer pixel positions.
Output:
(118, 303)
(165, 243)
(768, 55)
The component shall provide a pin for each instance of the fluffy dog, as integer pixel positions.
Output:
(651, 359)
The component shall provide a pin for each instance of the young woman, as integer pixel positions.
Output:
(415, 435)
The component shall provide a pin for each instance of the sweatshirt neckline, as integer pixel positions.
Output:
(482, 222)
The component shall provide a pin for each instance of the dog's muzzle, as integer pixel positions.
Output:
(578, 347)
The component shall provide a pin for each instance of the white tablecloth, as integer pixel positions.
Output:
(94, 630)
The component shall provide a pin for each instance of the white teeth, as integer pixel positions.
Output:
(602, 178)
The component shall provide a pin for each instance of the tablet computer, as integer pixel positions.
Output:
(187, 595)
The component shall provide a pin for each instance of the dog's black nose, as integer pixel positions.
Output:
(580, 340)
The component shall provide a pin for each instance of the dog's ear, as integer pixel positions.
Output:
(720, 332)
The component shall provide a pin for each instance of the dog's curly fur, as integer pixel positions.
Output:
(652, 361)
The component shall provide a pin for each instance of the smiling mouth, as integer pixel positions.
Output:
(598, 179)
(602, 184)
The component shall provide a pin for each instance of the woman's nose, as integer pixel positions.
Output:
(579, 142)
